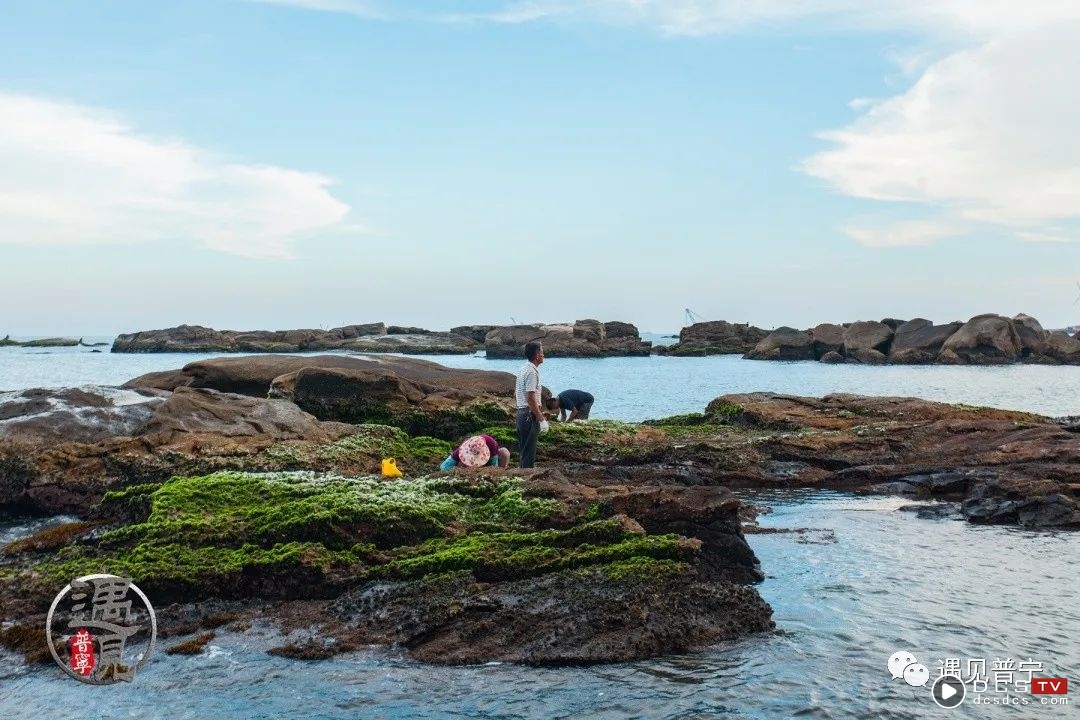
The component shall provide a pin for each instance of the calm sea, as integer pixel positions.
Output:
(640, 388)
(864, 581)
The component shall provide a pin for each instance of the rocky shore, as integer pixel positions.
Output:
(983, 340)
(627, 544)
(583, 338)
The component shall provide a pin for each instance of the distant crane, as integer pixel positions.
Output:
(692, 317)
(513, 321)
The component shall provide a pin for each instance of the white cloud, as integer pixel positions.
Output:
(73, 175)
(982, 133)
(986, 134)
(909, 232)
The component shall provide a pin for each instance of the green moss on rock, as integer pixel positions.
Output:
(300, 535)
(503, 556)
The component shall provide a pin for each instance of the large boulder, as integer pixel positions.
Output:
(419, 396)
(920, 341)
(716, 337)
(1031, 334)
(208, 412)
(1062, 347)
(867, 341)
(184, 338)
(828, 338)
(476, 333)
(585, 338)
(784, 344)
(419, 408)
(254, 375)
(982, 340)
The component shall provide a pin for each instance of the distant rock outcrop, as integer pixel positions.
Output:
(584, 338)
(784, 343)
(370, 337)
(983, 340)
(717, 337)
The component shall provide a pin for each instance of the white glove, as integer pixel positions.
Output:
(544, 426)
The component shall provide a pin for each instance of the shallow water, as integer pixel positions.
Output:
(865, 581)
(641, 387)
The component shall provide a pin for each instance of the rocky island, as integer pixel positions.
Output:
(583, 338)
(987, 339)
(246, 488)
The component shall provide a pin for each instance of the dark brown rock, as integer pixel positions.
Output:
(364, 396)
(919, 341)
(255, 375)
(195, 338)
(1031, 334)
(828, 338)
(585, 338)
(1063, 348)
(865, 341)
(983, 340)
(599, 616)
(163, 380)
(717, 337)
(784, 344)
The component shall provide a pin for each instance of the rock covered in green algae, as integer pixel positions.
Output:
(301, 536)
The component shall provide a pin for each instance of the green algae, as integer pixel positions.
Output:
(644, 567)
(501, 556)
(369, 442)
(230, 509)
(444, 424)
(289, 535)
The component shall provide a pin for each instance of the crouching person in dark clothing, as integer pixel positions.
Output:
(571, 404)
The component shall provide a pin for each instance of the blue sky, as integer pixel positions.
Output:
(307, 163)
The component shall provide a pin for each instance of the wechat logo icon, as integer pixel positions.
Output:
(903, 665)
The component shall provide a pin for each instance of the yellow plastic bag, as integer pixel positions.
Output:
(390, 468)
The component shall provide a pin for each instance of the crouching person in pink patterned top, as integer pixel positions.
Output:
(477, 451)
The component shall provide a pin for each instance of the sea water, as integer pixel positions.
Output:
(860, 581)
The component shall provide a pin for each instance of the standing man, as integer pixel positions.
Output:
(530, 418)
(577, 403)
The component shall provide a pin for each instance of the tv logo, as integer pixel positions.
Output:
(1049, 686)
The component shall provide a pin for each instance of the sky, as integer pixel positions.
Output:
(272, 164)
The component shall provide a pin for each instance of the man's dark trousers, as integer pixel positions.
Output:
(528, 431)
